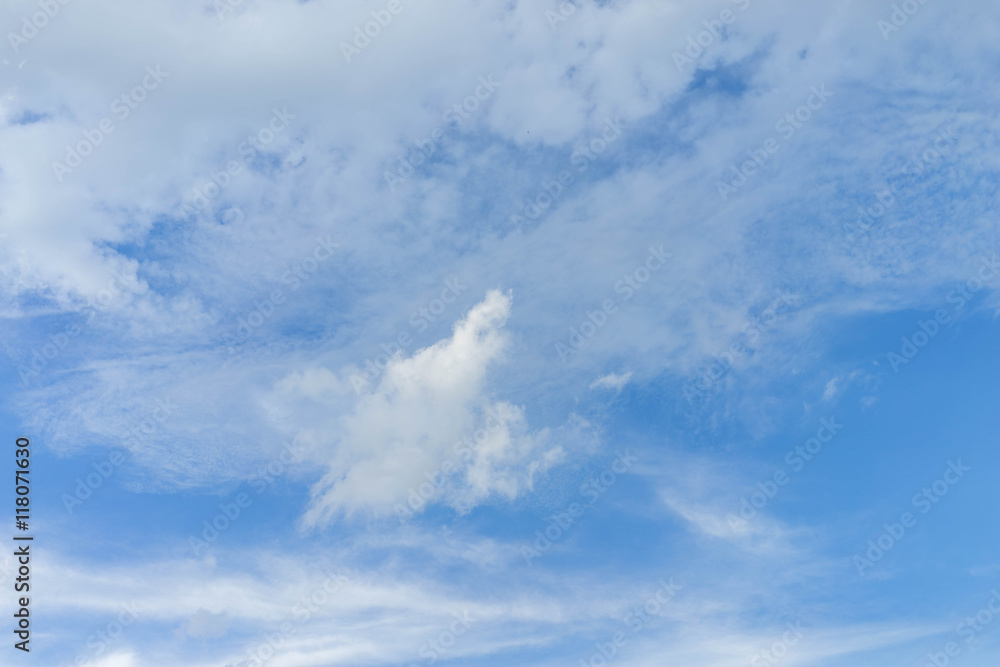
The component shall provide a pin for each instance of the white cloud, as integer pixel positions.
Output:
(206, 624)
(563, 610)
(118, 659)
(429, 426)
(187, 282)
(831, 389)
(611, 381)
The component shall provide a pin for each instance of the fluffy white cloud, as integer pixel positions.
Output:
(182, 284)
(428, 429)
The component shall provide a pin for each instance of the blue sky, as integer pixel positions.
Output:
(556, 333)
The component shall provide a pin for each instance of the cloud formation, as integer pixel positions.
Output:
(429, 430)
